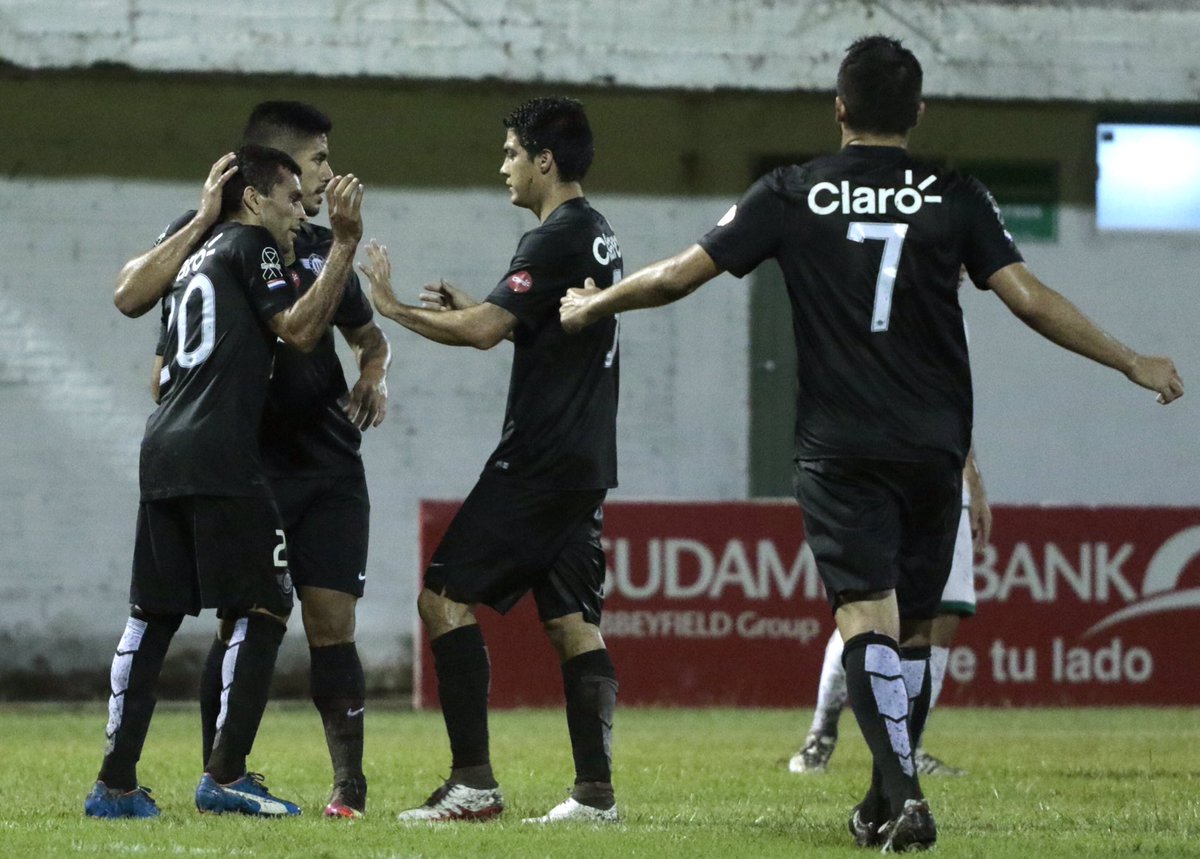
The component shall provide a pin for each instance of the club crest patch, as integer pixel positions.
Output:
(521, 281)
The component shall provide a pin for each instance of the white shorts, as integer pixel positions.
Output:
(958, 597)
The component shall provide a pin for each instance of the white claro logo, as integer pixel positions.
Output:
(1160, 587)
(605, 249)
(825, 198)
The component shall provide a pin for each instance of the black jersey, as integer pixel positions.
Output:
(871, 243)
(305, 432)
(560, 425)
(203, 437)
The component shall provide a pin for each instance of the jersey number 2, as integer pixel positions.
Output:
(892, 236)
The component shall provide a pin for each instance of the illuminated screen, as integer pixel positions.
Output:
(1148, 177)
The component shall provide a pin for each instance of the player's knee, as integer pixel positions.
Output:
(329, 616)
(572, 635)
(440, 614)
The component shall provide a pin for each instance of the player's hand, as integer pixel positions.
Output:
(445, 296)
(378, 270)
(1157, 373)
(345, 194)
(572, 308)
(210, 196)
(979, 513)
(366, 405)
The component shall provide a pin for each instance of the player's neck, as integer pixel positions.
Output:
(850, 137)
(555, 197)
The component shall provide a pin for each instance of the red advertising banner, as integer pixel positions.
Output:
(721, 604)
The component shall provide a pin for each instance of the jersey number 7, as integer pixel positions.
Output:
(892, 236)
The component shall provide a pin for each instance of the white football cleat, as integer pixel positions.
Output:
(575, 812)
(452, 802)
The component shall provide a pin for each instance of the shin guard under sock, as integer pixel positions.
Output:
(210, 697)
(878, 696)
(914, 664)
(590, 686)
(338, 689)
(134, 675)
(464, 676)
(246, 675)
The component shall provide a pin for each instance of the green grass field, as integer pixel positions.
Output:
(695, 783)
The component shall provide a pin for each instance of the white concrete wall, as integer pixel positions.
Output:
(73, 398)
(74, 373)
(1085, 51)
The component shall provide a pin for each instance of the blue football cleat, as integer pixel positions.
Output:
(110, 803)
(247, 795)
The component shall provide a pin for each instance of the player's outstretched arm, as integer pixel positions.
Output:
(366, 405)
(481, 324)
(144, 280)
(653, 286)
(304, 323)
(1058, 320)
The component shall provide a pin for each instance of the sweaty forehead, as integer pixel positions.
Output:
(511, 141)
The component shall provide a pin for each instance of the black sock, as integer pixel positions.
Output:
(880, 702)
(590, 685)
(211, 687)
(338, 689)
(134, 675)
(246, 673)
(464, 679)
(914, 662)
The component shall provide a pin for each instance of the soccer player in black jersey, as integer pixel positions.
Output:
(870, 242)
(209, 534)
(533, 520)
(310, 439)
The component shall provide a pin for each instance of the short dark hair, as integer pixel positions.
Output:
(560, 125)
(259, 167)
(281, 123)
(879, 81)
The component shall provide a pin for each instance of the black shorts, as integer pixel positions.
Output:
(327, 520)
(507, 540)
(202, 551)
(880, 525)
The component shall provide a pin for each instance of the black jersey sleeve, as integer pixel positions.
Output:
(987, 244)
(533, 283)
(175, 226)
(354, 310)
(749, 232)
(259, 268)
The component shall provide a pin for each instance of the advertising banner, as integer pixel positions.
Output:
(721, 604)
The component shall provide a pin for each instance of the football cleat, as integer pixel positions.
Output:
(247, 795)
(912, 829)
(572, 811)
(815, 754)
(866, 832)
(454, 801)
(927, 764)
(348, 799)
(106, 802)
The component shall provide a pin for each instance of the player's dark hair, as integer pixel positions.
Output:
(879, 81)
(259, 167)
(280, 123)
(560, 125)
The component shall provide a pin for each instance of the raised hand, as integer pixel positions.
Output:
(345, 194)
(378, 270)
(210, 196)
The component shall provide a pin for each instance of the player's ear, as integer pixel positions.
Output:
(251, 199)
(920, 113)
(545, 161)
(839, 110)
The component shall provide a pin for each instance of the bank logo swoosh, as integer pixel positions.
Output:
(1162, 576)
